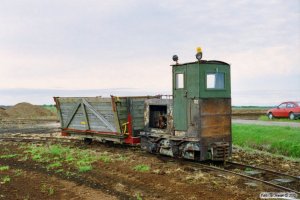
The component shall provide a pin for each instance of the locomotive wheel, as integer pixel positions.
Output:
(87, 141)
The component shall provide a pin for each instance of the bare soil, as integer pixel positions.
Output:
(3, 113)
(117, 179)
(248, 113)
(26, 111)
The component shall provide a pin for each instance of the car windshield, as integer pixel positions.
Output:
(298, 103)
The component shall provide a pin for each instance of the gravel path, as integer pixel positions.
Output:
(265, 123)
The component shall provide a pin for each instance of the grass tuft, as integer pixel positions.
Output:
(8, 156)
(142, 168)
(85, 168)
(5, 179)
(4, 168)
(105, 158)
(54, 165)
(18, 172)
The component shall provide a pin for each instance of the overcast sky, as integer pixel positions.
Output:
(91, 47)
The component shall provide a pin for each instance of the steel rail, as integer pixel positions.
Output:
(264, 169)
(245, 176)
(40, 139)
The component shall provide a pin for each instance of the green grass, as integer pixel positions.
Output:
(18, 172)
(5, 179)
(105, 158)
(56, 156)
(142, 168)
(274, 139)
(47, 189)
(85, 168)
(265, 118)
(8, 156)
(54, 165)
(4, 168)
(138, 196)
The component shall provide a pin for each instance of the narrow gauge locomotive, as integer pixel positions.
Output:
(193, 123)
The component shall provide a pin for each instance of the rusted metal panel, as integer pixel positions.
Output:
(215, 117)
(215, 120)
(215, 106)
(167, 112)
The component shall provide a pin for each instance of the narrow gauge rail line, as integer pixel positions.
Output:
(192, 163)
(207, 166)
(39, 139)
(264, 169)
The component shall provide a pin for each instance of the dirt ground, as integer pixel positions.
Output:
(118, 179)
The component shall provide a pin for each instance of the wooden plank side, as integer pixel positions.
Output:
(138, 106)
(215, 120)
(215, 117)
(215, 131)
(215, 106)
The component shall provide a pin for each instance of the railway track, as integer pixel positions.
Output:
(39, 139)
(282, 181)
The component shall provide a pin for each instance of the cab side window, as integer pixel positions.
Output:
(179, 81)
(215, 80)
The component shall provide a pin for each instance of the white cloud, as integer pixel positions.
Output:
(108, 44)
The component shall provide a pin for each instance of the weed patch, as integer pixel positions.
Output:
(18, 172)
(47, 189)
(142, 168)
(56, 156)
(85, 168)
(54, 165)
(4, 168)
(8, 156)
(105, 158)
(5, 179)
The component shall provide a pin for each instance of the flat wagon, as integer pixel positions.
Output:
(116, 119)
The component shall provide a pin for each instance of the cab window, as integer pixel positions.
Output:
(179, 81)
(215, 80)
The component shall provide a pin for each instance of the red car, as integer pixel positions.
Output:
(286, 109)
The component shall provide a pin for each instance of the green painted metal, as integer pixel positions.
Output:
(214, 93)
(196, 87)
(193, 80)
(180, 99)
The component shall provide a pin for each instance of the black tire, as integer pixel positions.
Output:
(87, 141)
(292, 116)
(270, 116)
